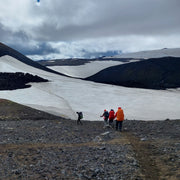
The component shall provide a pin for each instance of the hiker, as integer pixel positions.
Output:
(80, 116)
(119, 119)
(106, 116)
(111, 117)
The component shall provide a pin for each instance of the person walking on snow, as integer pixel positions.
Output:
(119, 119)
(106, 116)
(111, 117)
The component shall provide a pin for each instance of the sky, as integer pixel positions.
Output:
(53, 29)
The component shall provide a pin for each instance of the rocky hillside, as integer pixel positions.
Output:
(156, 73)
(37, 145)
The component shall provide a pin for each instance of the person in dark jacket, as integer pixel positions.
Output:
(106, 116)
(80, 116)
(111, 117)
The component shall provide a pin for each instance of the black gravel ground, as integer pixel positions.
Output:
(37, 145)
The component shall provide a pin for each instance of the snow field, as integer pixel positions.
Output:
(64, 96)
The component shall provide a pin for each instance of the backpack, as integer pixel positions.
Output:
(80, 115)
(111, 114)
(106, 114)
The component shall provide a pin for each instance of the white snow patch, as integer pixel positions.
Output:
(88, 69)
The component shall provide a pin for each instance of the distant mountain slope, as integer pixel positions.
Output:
(82, 68)
(5, 50)
(157, 73)
(78, 62)
(174, 52)
(86, 70)
(64, 62)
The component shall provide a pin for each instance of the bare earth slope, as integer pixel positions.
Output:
(37, 145)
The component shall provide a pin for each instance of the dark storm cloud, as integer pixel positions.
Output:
(115, 18)
(69, 26)
(38, 49)
(18, 40)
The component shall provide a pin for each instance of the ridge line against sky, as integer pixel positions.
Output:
(52, 29)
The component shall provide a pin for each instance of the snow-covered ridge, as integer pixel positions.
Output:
(85, 70)
(93, 67)
(64, 96)
(175, 52)
(10, 64)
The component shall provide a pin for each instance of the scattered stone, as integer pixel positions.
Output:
(97, 139)
(106, 133)
(143, 139)
(102, 148)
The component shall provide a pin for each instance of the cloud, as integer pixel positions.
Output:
(124, 25)
(91, 48)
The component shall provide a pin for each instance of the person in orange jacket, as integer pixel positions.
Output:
(119, 118)
(111, 117)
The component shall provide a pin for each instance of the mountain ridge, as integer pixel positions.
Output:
(6, 50)
(174, 52)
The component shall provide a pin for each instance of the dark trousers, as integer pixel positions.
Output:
(111, 123)
(119, 125)
(79, 121)
(106, 120)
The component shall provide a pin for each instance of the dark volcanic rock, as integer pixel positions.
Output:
(18, 80)
(156, 73)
